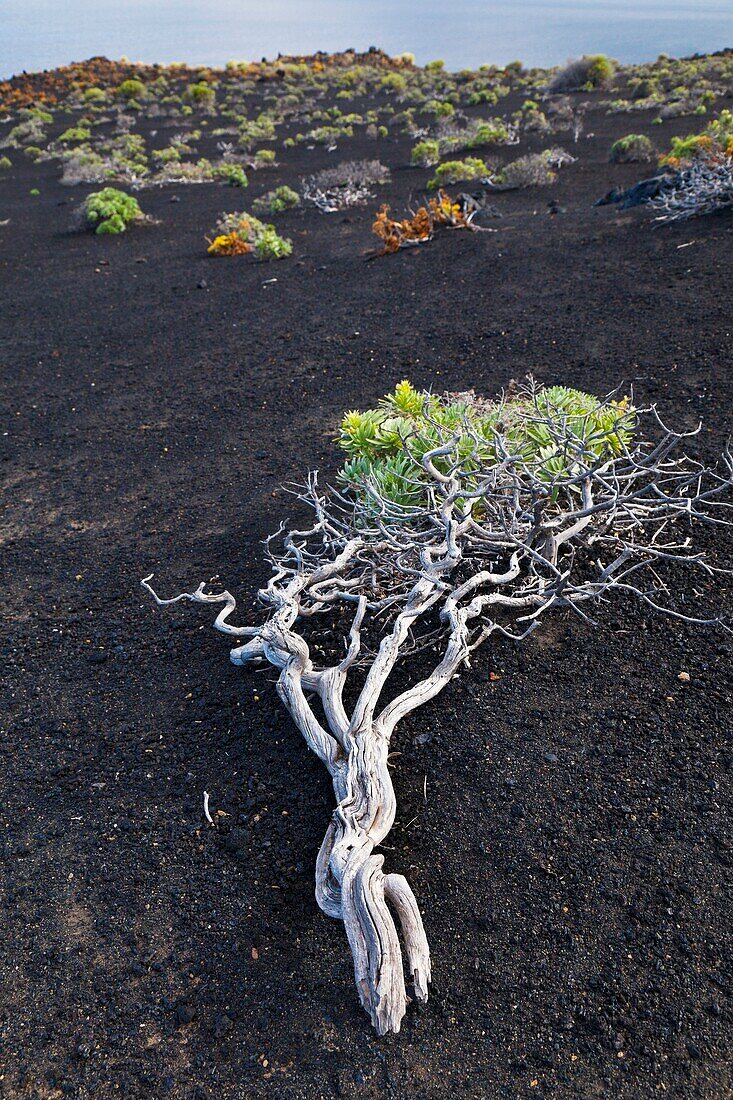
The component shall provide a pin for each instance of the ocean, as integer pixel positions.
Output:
(38, 34)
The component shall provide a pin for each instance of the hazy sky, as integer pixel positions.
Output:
(38, 34)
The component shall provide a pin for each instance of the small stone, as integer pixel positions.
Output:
(518, 810)
(684, 677)
(202, 284)
(550, 758)
(175, 198)
(185, 1013)
(98, 657)
(222, 1025)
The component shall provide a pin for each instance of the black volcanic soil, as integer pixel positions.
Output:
(572, 856)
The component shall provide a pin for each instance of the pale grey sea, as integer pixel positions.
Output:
(36, 34)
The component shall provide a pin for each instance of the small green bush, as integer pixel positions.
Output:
(200, 95)
(111, 211)
(75, 134)
(632, 149)
(130, 90)
(451, 171)
(583, 74)
(233, 174)
(5, 163)
(270, 246)
(600, 71)
(426, 153)
(274, 202)
(440, 108)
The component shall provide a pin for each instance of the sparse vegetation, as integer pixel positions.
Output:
(239, 234)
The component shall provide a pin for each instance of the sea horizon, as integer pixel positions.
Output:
(38, 34)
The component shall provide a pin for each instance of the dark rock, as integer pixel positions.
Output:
(222, 1025)
(638, 194)
(185, 1013)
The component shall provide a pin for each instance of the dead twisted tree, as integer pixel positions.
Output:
(703, 186)
(478, 537)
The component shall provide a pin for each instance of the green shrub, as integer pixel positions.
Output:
(130, 90)
(488, 133)
(27, 132)
(394, 82)
(75, 134)
(111, 211)
(632, 149)
(426, 153)
(451, 171)
(440, 108)
(237, 234)
(274, 202)
(270, 246)
(5, 163)
(201, 95)
(233, 174)
(600, 71)
(583, 74)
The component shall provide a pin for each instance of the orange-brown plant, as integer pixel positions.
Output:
(441, 210)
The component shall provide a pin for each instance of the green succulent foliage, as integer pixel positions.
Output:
(451, 171)
(130, 90)
(75, 134)
(233, 174)
(385, 445)
(274, 202)
(269, 245)
(111, 211)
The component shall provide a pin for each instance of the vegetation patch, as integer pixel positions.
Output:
(111, 211)
(239, 234)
